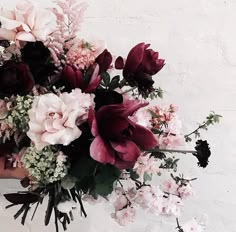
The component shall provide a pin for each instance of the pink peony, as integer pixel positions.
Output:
(55, 119)
(26, 22)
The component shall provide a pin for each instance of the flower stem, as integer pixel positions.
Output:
(172, 151)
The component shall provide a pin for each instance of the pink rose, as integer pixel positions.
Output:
(27, 22)
(55, 119)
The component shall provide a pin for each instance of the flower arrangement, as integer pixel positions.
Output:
(81, 133)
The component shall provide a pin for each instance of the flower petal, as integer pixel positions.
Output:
(7, 34)
(93, 123)
(94, 81)
(127, 151)
(25, 36)
(134, 58)
(101, 152)
(119, 63)
(144, 137)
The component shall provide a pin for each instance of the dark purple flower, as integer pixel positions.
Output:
(15, 78)
(38, 57)
(117, 139)
(106, 97)
(141, 64)
(104, 61)
(202, 153)
(75, 78)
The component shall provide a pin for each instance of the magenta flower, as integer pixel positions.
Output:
(117, 138)
(139, 67)
(74, 78)
(104, 61)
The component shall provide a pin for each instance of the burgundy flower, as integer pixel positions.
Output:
(75, 78)
(117, 139)
(15, 78)
(7, 148)
(139, 67)
(104, 61)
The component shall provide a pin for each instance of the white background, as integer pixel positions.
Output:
(198, 41)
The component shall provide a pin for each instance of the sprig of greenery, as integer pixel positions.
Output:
(211, 119)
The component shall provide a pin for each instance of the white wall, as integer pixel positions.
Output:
(198, 40)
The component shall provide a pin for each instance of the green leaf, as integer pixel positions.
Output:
(147, 177)
(114, 82)
(133, 174)
(106, 78)
(158, 155)
(22, 198)
(105, 178)
(103, 189)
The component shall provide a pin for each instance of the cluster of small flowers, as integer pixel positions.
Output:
(81, 54)
(183, 189)
(169, 126)
(69, 16)
(43, 172)
(18, 114)
(147, 164)
(150, 198)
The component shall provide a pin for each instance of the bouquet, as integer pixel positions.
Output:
(82, 133)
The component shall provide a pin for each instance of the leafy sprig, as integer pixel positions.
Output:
(211, 119)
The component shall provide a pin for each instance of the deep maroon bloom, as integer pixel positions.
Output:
(104, 61)
(141, 64)
(117, 139)
(75, 78)
(106, 97)
(15, 78)
(37, 56)
(202, 152)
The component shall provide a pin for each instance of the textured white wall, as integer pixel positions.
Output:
(198, 41)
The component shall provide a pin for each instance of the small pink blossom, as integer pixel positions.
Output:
(192, 226)
(169, 186)
(142, 117)
(124, 216)
(185, 191)
(146, 164)
(172, 206)
(55, 119)
(149, 197)
(121, 202)
(27, 22)
(82, 54)
(169, 141)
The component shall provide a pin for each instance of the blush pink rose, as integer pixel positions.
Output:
(55, 119)
(27, 22)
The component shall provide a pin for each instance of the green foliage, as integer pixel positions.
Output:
(158, 92)
(95, 178)
(170, 163)
(211, 119)
(109, 83)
